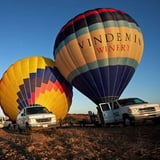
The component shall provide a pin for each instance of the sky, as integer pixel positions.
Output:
(29, 28)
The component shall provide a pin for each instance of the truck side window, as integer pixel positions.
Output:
(115, 105)
(105, 107)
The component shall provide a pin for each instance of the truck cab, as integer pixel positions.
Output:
(109, 112)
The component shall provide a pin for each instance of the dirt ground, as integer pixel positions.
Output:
(140, 142)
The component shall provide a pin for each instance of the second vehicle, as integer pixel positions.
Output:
(35, 116)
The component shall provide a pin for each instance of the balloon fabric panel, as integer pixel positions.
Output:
(111, 84)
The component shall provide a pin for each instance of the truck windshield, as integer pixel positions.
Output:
(130, 101)
(36, 110)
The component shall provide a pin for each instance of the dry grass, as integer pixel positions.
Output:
(141, 142)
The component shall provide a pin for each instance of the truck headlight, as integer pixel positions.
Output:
(31, 120)
(158, 108)
(129, 110)
(133, 110)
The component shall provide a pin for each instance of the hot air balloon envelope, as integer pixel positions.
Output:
(98, 52)
(34, 81)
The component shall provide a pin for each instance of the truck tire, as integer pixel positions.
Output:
(9, 126)
(17, 127)
(27, 128)
(127, 121)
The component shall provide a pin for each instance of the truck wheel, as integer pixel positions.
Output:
(28, 129)
(9, 126)
(127, 121)
(17, 127)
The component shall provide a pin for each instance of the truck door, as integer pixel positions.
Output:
(21, 119)
(107, 112)
(116, 112)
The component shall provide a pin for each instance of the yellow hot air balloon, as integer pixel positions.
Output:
(98, 52)
(34, 80)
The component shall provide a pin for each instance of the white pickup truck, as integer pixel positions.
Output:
(35, 117)
(127, 111)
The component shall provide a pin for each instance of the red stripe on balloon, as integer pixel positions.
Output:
(49, 86)
(59, 86)
(45, 87)
(29, 101)
(32, 99)
(55, 87)
(37, 91)
(90, 13)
